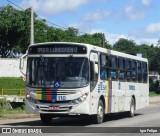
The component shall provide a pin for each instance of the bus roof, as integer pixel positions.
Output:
(97, 48)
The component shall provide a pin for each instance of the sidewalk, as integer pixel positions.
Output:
(154, 101)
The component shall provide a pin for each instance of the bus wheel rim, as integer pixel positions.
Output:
(100, 112)
(132, 109)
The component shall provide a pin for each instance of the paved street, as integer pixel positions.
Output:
(146, 117)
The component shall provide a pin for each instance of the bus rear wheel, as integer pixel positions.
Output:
(46, 118)
(132, 108)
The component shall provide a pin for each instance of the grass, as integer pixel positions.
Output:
(152, 94)
(11, 85)
(3, 100)
(18, 110)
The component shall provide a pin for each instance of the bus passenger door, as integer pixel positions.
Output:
(94, 70)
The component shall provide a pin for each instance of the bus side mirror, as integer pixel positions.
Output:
(21, 64)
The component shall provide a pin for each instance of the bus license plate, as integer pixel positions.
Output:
(53, 108)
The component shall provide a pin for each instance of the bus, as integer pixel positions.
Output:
(64, 79)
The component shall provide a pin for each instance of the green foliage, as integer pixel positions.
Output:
(152, 94)
(9, 83)
(15, 32)
(15, 36)
(154, 86)
(3, 100)
(18, 110)
(155, 61)
(12, 30)
(125, 45)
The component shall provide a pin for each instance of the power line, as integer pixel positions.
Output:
(15, 4)
(43, 18)
(64, 28)
(54, 24)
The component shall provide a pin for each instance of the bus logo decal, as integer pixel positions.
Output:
(132, 87)
(101, 87)
(57, 84)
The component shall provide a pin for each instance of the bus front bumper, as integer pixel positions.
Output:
(50, 108)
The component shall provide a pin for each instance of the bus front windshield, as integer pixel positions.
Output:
(69, 72)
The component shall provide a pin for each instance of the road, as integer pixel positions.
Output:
(146, 117)
(115, 123)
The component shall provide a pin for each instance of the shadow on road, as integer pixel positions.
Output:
(71, 121)
(118, 116)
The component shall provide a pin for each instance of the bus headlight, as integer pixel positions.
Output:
(80, 99)
(30, 99)
(27, 96)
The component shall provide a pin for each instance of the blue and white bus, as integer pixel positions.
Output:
(65, 78)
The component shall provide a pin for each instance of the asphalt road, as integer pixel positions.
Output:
(146, 117)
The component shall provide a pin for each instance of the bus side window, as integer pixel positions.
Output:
(144, 72)
(121, 66)
(128, 69)
(139, 71)
(104, 70)
(113, 67)
(134, 70)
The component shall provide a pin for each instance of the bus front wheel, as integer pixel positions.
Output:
(46, 119)
(100, 113)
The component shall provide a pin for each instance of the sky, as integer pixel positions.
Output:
(137, 20)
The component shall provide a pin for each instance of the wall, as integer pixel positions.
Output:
(10, 67)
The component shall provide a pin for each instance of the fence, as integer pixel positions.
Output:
(18, 92)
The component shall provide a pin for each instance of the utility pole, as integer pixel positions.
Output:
(32, 27)
(103, 40)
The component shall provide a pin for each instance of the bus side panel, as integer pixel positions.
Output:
(122, 91)
(102, 89)
(94, 97)
(132, 89)
(118, 96)
(144, 95)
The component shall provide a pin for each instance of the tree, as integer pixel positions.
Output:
(71, 34)
(125, 45)
(9, 30)
(12, 30)
(41, 30)
(155, 62)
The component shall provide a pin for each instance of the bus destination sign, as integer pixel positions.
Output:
(57, 49)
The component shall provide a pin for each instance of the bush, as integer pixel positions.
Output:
(154, 86)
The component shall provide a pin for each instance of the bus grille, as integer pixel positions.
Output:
(45, 108)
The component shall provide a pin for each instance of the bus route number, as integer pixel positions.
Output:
(61, 98)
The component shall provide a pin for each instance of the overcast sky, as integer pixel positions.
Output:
(138, 20)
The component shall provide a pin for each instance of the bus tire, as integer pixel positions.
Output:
(100, 113)
(132, 108)
(46, 119)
